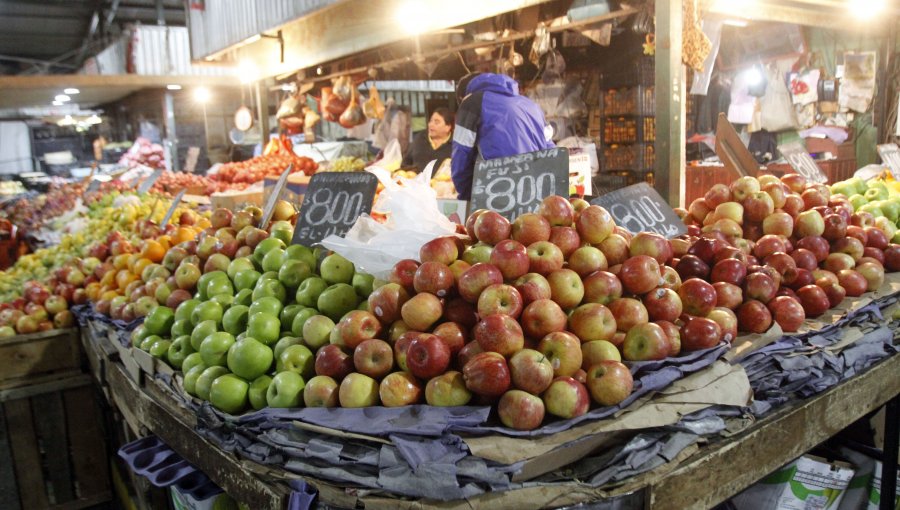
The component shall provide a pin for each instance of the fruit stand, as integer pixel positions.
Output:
(550, 360)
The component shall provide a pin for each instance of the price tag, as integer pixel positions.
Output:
(273, 198)
(580, 174)
(171, 211)
(517, 184)
(332, 203)
(802, 162)
(639, 208)
(149, 181)
(890, 156)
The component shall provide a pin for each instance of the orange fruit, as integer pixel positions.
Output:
(166, 242)
(183, 235)
(140, 265)
(109, 279)
(153, 250)
(121, 261)
(124, 277)
(203, 223)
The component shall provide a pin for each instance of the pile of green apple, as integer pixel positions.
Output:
(248, 336)
(879, 198)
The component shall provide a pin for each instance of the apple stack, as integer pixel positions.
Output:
(879, 198)
(37, 310)
(780, 250)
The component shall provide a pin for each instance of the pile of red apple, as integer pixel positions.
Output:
(781, 250)
(38, 310)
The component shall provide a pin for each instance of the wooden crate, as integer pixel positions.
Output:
(52, 446)
(26, 359)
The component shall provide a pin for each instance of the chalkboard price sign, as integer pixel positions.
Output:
(517, 184)
(273, 198)
(802, 162)
(639, 208)
(149, 181)
(890, 155)
(171, 211)
(332, 203)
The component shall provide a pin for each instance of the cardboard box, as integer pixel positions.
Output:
(236, 200)
(875, 489)
(808, 483)
(182, 501)
(293, 191)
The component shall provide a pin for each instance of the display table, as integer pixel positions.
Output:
(697, 478)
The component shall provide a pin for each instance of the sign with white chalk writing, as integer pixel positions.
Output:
(801, 161)
(639, 208)
(516, 185)
(332, 203)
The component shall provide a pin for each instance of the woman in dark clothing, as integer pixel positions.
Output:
(432, 143)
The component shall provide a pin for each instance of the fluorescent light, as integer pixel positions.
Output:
(72, 91)
(754, 76)
(58, 103)
(201, 94)
(410, 16)
(94, 119)
(62, 98)
(173, 87)
(248, 71)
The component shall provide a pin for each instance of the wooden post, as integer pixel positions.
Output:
(669, 145)
(262, 102)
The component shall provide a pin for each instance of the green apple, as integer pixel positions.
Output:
(282, 230)
(300, 319)
(358, 390)
(148, 342)
(362, 284)
(243, 297)
(207, 311)
(246, 278)
(258, 389)
(890, 208)
(273, 260)
(268, 275)
(204, 280)
(337, 300)
(226, 300)
(267, 304)
(875, 193)
(297, 358)
(214, 348)
(309, 291)
(363, 305)
(234, 320)
(317, 331)
(181, 327)
(239, 264)
(293, 272)
(179, 351)
(190, 378)
(300, 252)
(284, 342)
(873, 209)
(272, 288)
(218, 286)
(228, 394)
(201, 331)
(204, 382)
(162, 293)
(160, 348)
(858, 201)
(138, 335)
(289, 312)
(477, 253)
(264, 327)
(249, 358)
(286, 390)
(183, 312)
(336, 269)
(192, 360)
(265, 246)
(160, 320)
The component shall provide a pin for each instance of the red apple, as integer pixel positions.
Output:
(849, 245)
(892, 257)
(804, 259)
(544, 257)
(499, 298)
(566, 397)
(542, 317)
(645, 342)
(875, 238)
(700, 333)
(729, 271)
(817, 245)
(558, 211)
(587, 259)
(532, 287)
(691, 266)
(563, 350)
(663, 304)
(427, 356)
(530, 228)
(854, 283)
(813, 299)
(760, 286)
(520, 410)
(499, 333)
(640, 274)
(610, 382)
(787, 312)
(697, 297)
(717, 194)
(374, 358)
(487, 374)
(511, 258)
(491, 227)
(728, 295)
(443, 250)
(628, 312)
(530, 371)
(434, 278)
(614, 248)
(754, 317)
(404, 273)
(592, 321)
(594, 224)
(651, 244)
(476, 279)
(386, 301)
(835, 294)
(602, 287)
(566, 238)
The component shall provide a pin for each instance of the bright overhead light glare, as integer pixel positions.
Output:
(735, 22)
(754, 76)
(62, 98)
(58, 103)
(173, 87)
(248, 71)
(201, 94)
(409, 17)
(71, 91)
(94, 119)
(866, 9)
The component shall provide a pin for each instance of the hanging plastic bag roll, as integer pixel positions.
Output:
(413, 219)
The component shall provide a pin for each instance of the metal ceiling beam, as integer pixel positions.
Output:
(24, 60)
(813, 13)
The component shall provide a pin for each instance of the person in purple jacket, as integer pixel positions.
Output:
(493, 121)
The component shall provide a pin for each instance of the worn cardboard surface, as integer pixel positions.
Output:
(717, 384)
(746, 344)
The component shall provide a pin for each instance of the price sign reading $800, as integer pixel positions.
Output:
(332, 203)
(639, 208)
(517, 184)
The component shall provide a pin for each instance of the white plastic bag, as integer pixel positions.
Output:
(413, 219)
